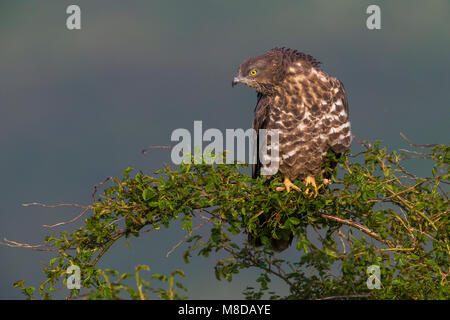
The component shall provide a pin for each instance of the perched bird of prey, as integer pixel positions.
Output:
(308, 107)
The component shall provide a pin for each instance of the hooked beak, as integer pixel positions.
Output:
(236, 80)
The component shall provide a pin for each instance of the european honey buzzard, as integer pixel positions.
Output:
(308, 107)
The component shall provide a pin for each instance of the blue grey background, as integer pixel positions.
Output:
(79, 106)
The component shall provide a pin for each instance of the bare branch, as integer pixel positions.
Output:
(358, 226)
(145, 150)
(423, 146)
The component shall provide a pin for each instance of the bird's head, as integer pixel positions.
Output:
(263, 73)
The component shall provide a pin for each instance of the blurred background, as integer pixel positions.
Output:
(79, 106)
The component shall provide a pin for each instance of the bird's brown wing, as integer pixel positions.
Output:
(340, 141)
(260, 121)
(338, 147)
(342, 94)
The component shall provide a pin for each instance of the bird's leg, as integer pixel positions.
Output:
(288, 185)
(326, 181)
(311, 181)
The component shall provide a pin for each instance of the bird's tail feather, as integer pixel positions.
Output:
(277, 245)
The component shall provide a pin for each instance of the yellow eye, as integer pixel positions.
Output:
(253, 72)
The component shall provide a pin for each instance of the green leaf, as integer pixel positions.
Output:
(148, 194)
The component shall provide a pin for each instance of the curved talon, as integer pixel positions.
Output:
(311, 181)
(325, 183)
(288, 185)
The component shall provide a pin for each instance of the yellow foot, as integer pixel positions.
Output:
(288, 185)
(326, 181)
(311, 181)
